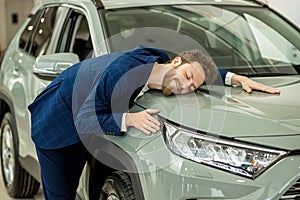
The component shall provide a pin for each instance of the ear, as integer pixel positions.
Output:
(176, 61)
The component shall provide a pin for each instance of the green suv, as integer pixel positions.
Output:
(216, 143)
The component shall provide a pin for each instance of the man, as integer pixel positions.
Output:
(94, 96)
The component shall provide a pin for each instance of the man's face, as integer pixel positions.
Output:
(183, 78)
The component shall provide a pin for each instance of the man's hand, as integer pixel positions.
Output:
(143, 121)
(249, 85)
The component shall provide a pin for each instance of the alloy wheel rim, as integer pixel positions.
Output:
(109, 192)
(112, 197)
(8, 161)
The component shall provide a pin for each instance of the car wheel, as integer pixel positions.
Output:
(17, 181)
(117, 186)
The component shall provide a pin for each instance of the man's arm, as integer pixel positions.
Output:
(247, 84)
(250, 85)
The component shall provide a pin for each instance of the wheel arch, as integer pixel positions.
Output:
(114, 156)
(6, 105)
(24, 184)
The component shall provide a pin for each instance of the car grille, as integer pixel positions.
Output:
(293, 193)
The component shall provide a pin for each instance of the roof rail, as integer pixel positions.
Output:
(260, 2)
(98, 3)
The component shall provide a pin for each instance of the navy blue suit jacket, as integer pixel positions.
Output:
(91, 97)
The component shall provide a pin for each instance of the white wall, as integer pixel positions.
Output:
(2, 25)
(8, 7)
(289, 8)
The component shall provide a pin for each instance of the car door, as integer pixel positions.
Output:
(33, 42)
(60, 29)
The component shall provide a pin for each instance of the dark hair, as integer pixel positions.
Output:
(208, 65)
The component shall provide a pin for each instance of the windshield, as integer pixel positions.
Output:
(244, 40)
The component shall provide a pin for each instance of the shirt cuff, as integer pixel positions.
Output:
(228, 78)
(123, 123)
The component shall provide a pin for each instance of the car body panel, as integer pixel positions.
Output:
(290, 142)
(225, 106)
(171, 177)
(15, 77)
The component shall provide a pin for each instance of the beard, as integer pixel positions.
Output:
(166, 91)
(166, 82)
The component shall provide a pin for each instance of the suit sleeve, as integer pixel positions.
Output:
(95, 114)
(221, 77)
(117, 91)
(223, 73)
(108, 116)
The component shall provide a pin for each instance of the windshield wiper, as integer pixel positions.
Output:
(263, 74)
(269, 71)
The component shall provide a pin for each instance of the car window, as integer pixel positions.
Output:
(44, 32)
(75, 36)
(25, 39)
(245, 40)
(36, 37)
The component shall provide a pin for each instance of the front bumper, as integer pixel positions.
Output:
(167, 176)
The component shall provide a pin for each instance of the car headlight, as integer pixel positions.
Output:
(235, 157)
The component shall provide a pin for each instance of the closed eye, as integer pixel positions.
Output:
(188, 76)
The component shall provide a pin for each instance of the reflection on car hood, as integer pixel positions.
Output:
(272, 120)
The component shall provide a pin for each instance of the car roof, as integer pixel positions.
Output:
(113, 4)
(110, 4)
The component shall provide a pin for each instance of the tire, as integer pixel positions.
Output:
(117, 186)
(18, 182)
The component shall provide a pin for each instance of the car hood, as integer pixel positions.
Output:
(266, 119)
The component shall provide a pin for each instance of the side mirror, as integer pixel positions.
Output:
(48, 67)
